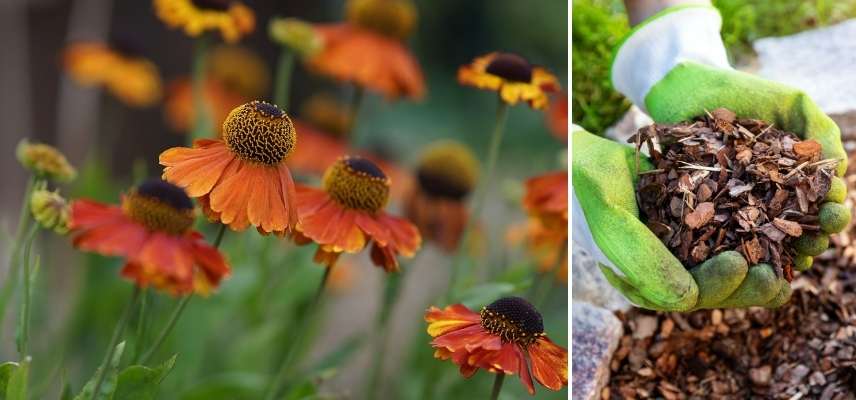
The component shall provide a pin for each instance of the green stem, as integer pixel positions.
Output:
(497, 386)
(24, 323)
(283, 77)
(114, 340)
(176, 313)
(12, 278)
(478, 200)
(356, 104)
(390, 295)
(202, 122)
(291, 360)
(142, 322)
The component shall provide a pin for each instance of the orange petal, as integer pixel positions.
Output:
(549, 363)
(229, 197)
(451, 318)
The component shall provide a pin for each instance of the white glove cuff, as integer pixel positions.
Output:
(687, 34)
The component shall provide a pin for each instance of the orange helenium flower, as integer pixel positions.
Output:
(512, 77)
(446, 174)
(368, 59)
(499, 339)
(348, 214)
(152, 231)
(241, 179)
(131, 78)
(557, 117)
(180, 112)
(546, 201)
(233, 19)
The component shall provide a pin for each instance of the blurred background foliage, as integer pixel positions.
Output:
(599, 25)
(229, 343)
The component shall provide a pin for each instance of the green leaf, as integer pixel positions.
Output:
(16, 388)
(6, 371)
(484, 294)
(304, 390)
(230, 386)
(110, 379)
(139, 382)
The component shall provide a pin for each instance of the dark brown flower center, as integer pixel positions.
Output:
(511, 67)
(219, 5)
(357, 183)
(160, 206)
(514, 320)
(260, 132)
(438, 185)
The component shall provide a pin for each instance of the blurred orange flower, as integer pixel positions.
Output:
(447, 172)
(499, 339)
(512, 77)
(546, 202)
(232, 18)
(368, 59)
(347, 214)
(557, 117)
(241, 179)
(152, 231)
(133, 79)
(367, 50)
(180, 112)
(239, 69)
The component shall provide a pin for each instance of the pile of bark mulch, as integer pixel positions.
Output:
(722, 183)
(805, 349)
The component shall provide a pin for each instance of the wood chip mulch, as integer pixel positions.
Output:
(722, 183)
(805, 349)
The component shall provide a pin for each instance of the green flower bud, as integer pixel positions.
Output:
(50, 210)
(44, 160)
(802, 263)
(297, 35)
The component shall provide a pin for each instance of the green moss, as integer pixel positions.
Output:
(597, 27)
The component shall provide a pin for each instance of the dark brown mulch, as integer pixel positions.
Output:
(722, 183)
(805, 349)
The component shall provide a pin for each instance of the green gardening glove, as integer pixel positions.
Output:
(674, 67)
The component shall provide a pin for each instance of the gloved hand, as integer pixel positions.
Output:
(674, 66)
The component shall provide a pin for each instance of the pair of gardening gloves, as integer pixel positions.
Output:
(674, 67)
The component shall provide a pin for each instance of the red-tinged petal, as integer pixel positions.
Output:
(549, 363)
(326, 258)
(459, 339)
(211, 262)
(523, 371)
(309, 199)
(374, 228)
(289, 195)
(105, 229)
(404, 234)
(163, 254)
(349, 238)
(449, 319)
(230, 196)
(468, 370)
(384, 257)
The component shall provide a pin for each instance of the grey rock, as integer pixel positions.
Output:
(590, 285)
(596, 333)
(820, 62)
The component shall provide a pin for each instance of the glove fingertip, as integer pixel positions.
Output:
(811, 244)
(837, 190)
(833, 217)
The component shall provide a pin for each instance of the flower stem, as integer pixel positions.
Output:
(356, 104)
(12, 278)
(298, 344)
(24, 323)
(202, 123)
(497, 386)
(176, 313)
(390, 295)
(142, 323)
(114, 340)
(479, 199)
(283, 77)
